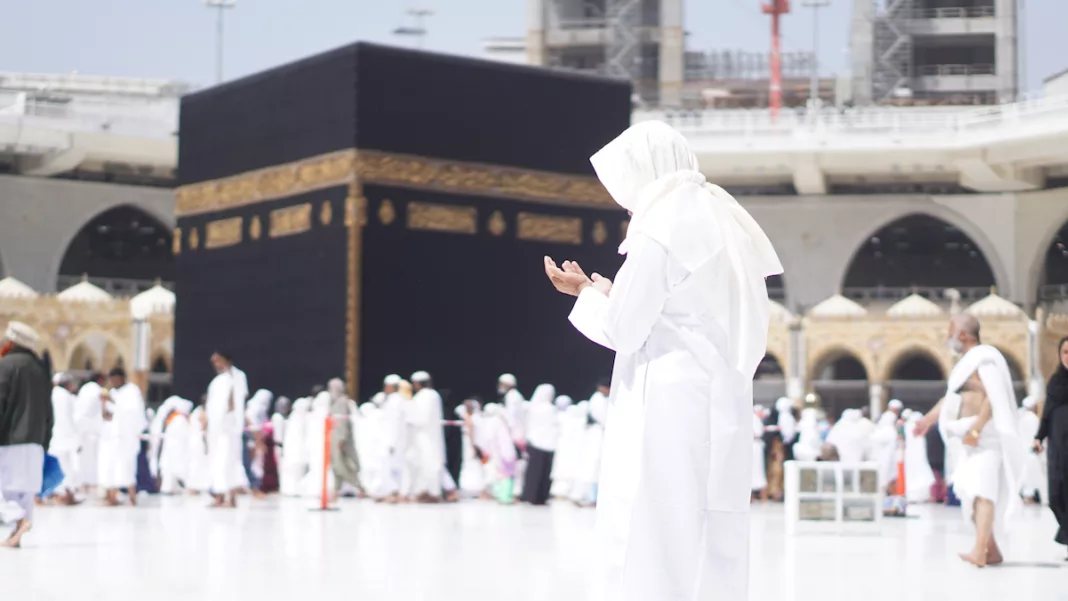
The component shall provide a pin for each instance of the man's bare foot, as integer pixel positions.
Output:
(15, 540)
(452, 496)
(976, 559)
(993, 555)
(111, 501)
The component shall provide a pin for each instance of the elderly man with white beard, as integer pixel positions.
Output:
(687, 317)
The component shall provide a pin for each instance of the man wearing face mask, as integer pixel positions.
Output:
(978, 415)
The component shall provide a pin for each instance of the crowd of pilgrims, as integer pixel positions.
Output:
(391, 448)
(778, 436)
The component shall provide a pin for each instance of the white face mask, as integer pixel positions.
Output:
(954, 344)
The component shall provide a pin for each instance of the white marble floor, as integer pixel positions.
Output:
(176, 549)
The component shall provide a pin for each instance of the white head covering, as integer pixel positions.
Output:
(508, 380)
(22, 335)
(61, 379)
(1030, 402)
(460, 411)
(336, 388)
(257, 407)
(895, 405)
(392, 380)
(492, 409)
(563, 402)
(783, 404)
(420, 376)
(183, 406)
(543, 394)
(650, 170)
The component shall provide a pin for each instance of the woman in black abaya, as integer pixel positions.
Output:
(1054, 430)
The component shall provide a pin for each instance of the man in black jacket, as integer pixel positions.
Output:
(25, 427)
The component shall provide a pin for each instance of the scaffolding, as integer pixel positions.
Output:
(622, 52)
(893, 68)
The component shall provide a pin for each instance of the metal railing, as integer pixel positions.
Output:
(1053, 292)
(117, 287)
(810, 126)
(932, 293)
(978, 69)
(954, 12)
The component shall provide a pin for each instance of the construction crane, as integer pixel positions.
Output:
(776, 8)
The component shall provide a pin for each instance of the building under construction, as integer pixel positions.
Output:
(643, 40)
(934, 51)
(903, 52)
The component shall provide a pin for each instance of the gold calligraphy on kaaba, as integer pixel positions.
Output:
(386, 212)
(222, 233)
(436, 217)
(176, 241)
(290, 220)
(549, 228)
(373, 167)
(600, 233)
(497, 224)
(255, 228)
(194, 239)
(326, 214)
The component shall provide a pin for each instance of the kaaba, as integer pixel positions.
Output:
(373, 210)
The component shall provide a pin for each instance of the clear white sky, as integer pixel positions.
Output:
(175, 39)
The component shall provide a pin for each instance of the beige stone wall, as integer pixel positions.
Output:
(99, 332)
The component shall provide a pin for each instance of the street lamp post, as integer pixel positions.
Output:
(814, 82)
(220, 6)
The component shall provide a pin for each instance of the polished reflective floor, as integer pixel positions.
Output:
(176, 549)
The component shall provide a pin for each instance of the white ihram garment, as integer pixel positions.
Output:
(198, 477)
(760, 473)
(569, 450)
(395, 433)
(919, 477)
(175, 456)
(294, 449)
(992, 469)
(589, 464)
(688, 318)
(426, 443)
(849, 437)
(1034, 478)
(65, 440)
(225, 425)
(472, 482)
(120, 440)
(884, 447)
(89, 421)
(311, 485)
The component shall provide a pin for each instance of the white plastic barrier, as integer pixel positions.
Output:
(830, 495)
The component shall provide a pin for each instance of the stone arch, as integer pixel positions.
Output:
(1049, 261)
(771, 364)
(1034, 250)
(139, 245)
(824, 356)
(892, 256)
(121, 350)
(848, 388)
(896, 357)
(83, 358)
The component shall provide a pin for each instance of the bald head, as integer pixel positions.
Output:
(968, 325)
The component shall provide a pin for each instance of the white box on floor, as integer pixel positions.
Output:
(832, 496)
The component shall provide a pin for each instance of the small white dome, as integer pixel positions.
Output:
(154, 301)
(838, 306)
(10, 288)
(995, 306)
(914, 305)
(84, 292)
(778, 312)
